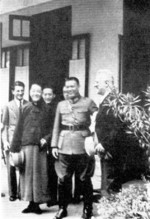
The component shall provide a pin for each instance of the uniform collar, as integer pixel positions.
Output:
(75, 100)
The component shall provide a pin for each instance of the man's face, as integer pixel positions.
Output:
(72, 89)
(48, 95)
(18, 92)
(36, 93)
(100, 85)
(65, 93)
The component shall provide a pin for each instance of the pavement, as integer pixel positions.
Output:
(12, 210)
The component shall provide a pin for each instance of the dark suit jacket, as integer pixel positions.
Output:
(111, 132)
(50, 110)
(31, 126)
(123, 147)
(9, 119)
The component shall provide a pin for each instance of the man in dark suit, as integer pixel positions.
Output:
(71, 127)
(9, 119)
(51, 102)
(111, 137)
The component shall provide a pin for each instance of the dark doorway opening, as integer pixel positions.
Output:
(50, 49)
(136, 46)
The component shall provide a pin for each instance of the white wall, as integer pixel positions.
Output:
(13, 5)
(103, 19)
(4, 86)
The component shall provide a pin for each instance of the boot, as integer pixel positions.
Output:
(62, 212)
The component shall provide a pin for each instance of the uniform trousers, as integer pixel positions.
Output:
(66, 166)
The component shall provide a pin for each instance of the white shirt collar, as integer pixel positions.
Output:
(18, 102)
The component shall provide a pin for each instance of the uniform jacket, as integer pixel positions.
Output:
(9, 119)
(31, 127)
(69, 141)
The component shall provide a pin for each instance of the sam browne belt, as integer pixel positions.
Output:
(74, 127)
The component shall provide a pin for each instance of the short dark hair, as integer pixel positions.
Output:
(18, 83)
(49, 87)
(73, 79)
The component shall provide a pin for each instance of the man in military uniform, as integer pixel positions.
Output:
(71, 127)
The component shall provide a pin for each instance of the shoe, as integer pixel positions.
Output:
(12, 198)
(37, 210)
(62, 212)
(29, 209)
(87, 213)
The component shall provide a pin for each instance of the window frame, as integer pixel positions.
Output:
(21, 18)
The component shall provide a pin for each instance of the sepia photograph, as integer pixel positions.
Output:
(75, 109)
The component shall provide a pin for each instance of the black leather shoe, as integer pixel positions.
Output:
(87, 214)
(62, 212)
(37, 210)
(29, 209)
(12, 198)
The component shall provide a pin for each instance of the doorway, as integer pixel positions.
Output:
(50, 49)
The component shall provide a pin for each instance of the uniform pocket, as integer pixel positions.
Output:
(82, 115)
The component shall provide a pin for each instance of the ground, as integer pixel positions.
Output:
(13, 210)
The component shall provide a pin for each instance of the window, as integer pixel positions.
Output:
(78, 49)
(19, 27)
(22, 56)
(5, 58)
(79, 63)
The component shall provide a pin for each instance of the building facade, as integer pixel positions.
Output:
(49, 40)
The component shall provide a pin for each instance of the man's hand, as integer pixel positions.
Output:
(99, 148)
(6, 146)
(55, 152)
(43, 142)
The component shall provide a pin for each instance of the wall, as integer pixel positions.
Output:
(136, 63)
(103, 19)
(13, 5)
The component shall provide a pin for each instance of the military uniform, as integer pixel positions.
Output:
(71, 126)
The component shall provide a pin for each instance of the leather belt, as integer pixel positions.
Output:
(74, 127)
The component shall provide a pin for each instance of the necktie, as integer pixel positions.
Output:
(20, 106)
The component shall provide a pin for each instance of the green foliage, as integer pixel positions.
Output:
(147, 94)
(127, 108)
(132, 202)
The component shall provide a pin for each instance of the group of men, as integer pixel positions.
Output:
(52, 135)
